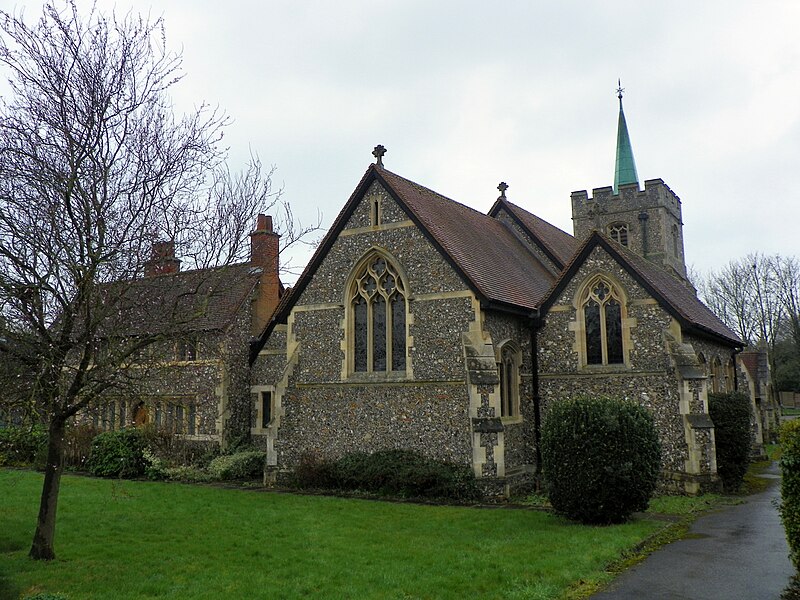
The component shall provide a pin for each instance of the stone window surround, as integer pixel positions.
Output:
(348, 366)
(579, 324)
(516, 357)
(258, 407)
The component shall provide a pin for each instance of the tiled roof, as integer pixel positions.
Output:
(679, 296)
(198, 300)
(557, 243)
(494, 263)
(487, 253)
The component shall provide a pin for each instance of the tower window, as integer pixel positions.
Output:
(619, 233)
(675, 239)
(378, 311)
(602, 316)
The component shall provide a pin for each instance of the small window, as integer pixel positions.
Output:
(187, 349)
(266, 409)
(716, 376)
(675, 240)
(619, 233)
(602, 317)
(508, 372)
(190, 426)
(375, 212)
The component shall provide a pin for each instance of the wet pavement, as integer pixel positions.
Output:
(739, 552)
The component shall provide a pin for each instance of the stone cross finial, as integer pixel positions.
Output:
(378, 153)
(502, 187)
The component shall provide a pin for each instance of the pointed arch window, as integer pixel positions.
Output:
(602, 316)
(378, 305)
(619, 233)
(716, 376)
(508, 372)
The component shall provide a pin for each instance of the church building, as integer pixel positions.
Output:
(423, 324)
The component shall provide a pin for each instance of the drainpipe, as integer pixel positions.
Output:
(535, 323)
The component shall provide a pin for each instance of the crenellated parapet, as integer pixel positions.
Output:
(647, 221)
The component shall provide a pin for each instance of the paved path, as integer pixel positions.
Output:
(736, 553)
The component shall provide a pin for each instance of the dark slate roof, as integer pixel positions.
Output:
(558, 245)
(198, 300)
(675, 296)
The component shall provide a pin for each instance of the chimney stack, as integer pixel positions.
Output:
(264, 249)
(162, 260)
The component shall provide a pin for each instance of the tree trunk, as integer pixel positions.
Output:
(42, 548)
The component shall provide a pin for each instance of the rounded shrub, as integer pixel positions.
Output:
(790, 487)
(732, 434)
(600, 458)
(117, 454)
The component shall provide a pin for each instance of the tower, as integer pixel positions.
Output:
(647, 221)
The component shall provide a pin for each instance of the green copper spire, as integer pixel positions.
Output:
(625, 171)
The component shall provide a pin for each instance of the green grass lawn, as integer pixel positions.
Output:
(125, 539)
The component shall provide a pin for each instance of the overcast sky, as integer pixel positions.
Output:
(465, 94)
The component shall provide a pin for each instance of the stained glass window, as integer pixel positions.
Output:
(594, 342)
(602, 315)
(378, 308)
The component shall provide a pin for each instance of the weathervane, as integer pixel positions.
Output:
(620, 89)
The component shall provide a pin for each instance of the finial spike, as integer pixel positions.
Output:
(378, 153)
(502, 187)
(620, 89)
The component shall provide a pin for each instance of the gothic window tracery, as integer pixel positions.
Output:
(619, 233)
(602, 316)
(378, 308)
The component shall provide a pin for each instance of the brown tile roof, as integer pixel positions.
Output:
(495, 264)
(198, 300)
(489, 256)
(675, 296)
(558, 244)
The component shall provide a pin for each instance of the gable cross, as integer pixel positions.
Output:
(502, 187)
(378, 153)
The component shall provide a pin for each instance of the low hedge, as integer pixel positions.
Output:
(601, 458)
(118, 453)
(790, 486)
(242, 465)
(399, 473)
(731, 416)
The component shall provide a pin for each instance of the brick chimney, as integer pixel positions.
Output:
(162, 260)
(264, 248)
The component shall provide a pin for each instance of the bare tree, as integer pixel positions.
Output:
(94, 168)
(216, 230)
